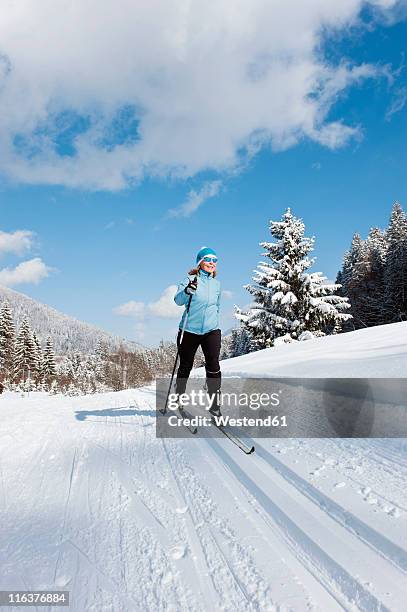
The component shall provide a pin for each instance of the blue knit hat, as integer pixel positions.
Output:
(203, 252)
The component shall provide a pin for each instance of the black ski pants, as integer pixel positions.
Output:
(210, 343)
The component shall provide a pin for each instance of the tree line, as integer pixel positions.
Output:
(374, 274)
(25, 365)
(22, 358)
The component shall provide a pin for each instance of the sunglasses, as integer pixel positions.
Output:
(209, 259)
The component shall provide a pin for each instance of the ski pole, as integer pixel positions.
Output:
(185, 323)
(176, 358)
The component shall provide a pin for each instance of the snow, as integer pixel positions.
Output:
(375, 352)
(92, 502)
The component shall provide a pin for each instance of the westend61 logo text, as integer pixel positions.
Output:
(254, 401)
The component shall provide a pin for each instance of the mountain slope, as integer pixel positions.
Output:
(67, 333)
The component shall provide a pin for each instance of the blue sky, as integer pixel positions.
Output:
(101, 232)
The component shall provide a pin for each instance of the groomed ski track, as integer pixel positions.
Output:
(93, 503)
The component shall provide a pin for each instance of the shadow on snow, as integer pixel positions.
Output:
(82, 415)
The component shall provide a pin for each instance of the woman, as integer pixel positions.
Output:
(202, 326)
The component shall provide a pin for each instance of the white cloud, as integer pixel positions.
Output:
(135, 310)
(227, 294)
(32, 271)
(208, 81)
(130, 309)
(196, 198)
(398, 103)
(165, 307)
(16, 242)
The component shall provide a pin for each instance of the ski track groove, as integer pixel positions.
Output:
(203, 577)
(65, 513)
(237, 580)
(203, 520)
(275, 518)
(377, 541)
(268, 532)
(193, 539)
(331, 573)
(239, 585)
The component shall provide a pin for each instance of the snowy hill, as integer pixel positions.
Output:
(93, 503)
(374, 352)
(67, 332)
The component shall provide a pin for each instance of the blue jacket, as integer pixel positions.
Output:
(203, 313)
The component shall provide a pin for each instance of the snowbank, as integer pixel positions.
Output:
(375, 352)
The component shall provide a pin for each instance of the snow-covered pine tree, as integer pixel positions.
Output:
(102, 355)
(395, 274)
(101, 351)
(49, 369)
(351, 275)
(240, 343)
(25, 354)
(73, 365)
(150, 361)
(373, 301)
(362, 279)
(351, 260)
(54, 387)
(7, 340)
(288, 300)
(37, 369)
(225, 345)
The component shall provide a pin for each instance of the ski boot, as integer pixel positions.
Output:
(214, 410)
(213, 390)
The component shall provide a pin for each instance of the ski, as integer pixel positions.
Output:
(186, 415)
(248, 450)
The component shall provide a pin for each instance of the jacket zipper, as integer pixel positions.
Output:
(206, 307)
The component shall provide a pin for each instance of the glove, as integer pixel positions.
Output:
(191, 287)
